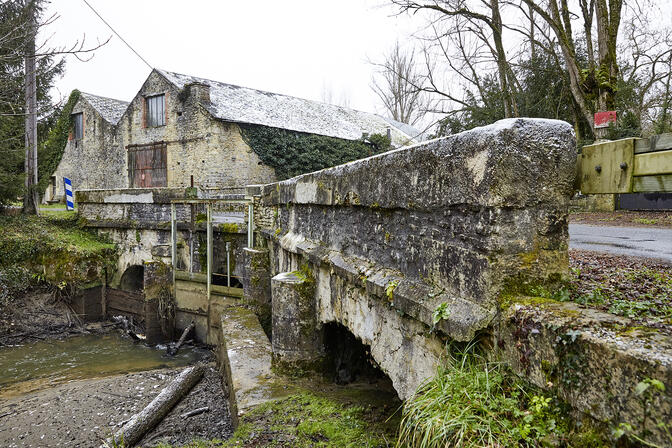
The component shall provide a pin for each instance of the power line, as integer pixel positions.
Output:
(118, 35)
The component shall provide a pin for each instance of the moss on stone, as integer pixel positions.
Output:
(229, 227)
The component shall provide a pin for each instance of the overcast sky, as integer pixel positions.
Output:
(295, 47)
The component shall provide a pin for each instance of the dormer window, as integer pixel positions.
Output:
(156, 110)
(78, 126)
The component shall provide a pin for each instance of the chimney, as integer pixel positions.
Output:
(199, 92)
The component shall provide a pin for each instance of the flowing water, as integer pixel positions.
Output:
(41, 365)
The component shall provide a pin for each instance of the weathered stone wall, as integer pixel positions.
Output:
(454, 222)
(138, 220)
(198, 145)
(95, 161)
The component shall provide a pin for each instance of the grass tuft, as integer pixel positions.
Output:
(472, 402)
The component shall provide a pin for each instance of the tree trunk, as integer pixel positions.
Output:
(148, 418)
(510, 108)
(31, 195)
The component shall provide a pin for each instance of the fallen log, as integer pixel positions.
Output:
(148, 418)
(172, 349)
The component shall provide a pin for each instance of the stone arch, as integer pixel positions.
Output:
(133, 278)
(349, 359)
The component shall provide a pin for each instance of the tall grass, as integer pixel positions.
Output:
(475, 403)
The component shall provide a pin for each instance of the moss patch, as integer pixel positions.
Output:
(311, 419)
(55, 250)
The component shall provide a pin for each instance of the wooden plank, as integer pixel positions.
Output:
(226, 291)
(652, 184)
(601, 170)
(191, 276)
(642, 145)
(653, 163)
(661, 142)
(128, 302)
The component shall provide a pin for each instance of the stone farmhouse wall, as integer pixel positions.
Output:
(97, 160)
(198, 145)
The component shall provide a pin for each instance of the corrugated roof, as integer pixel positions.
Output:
(110, 109)
(244, 105)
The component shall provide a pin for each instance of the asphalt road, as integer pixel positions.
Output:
(631, 241)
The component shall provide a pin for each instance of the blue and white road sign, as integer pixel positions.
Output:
(69, 199)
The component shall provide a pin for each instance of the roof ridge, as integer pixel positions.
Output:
(104, 97)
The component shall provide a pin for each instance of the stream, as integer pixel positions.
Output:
(41, 365)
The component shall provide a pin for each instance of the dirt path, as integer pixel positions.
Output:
(83, 413)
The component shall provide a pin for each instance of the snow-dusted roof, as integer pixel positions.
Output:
(245, 105)
(110, 109)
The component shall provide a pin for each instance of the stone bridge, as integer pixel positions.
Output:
(450, 227)
(436, 242)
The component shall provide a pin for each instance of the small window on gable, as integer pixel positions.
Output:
(155, 107)
(78, 126)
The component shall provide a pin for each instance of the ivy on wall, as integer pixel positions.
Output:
(292, 153)
(51, 151)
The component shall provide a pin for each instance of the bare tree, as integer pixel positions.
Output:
(328, 96)
(481, 19)
(592, 89)
(397, 86)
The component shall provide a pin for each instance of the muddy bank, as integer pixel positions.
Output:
(83, 413)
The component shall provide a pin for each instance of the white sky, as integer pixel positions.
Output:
(295, 47)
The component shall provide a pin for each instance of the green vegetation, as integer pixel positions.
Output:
(472, 402)
(389, 290)
(307, 420)
(441, 312)
(646, 221)
(48, 249)
(635, 292)
(50, 152)
(293, 153)
(13, 19)
(648, 391)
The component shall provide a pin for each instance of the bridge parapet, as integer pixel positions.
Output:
(456, 220)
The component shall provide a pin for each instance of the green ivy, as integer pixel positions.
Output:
(51, 151)
(292, 153)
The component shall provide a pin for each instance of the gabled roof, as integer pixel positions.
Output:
(244, 105)
(110, 109)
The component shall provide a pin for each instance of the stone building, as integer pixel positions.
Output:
(93, 157)
(181, 130)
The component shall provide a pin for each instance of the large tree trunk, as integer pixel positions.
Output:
(155, 411)
(510, 107)
(31, 195)
(608, 22)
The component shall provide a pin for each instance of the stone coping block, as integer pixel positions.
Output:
(131, 195)
(414, 298)
(517, 163)
(245, 356)
(592, 359)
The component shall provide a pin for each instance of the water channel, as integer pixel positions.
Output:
(41, 365)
